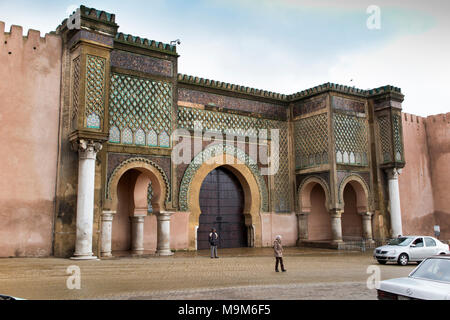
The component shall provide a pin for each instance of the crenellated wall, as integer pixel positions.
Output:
(30, 73)
(438, 138)
(424, 187)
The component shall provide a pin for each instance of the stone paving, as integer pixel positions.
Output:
(238, 274)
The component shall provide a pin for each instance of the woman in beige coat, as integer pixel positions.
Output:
(278, 250)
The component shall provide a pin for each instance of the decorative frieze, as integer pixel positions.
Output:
(351, 139)
(95, 91)
(141, 63)
(345, 104)
(140, 111)
(270, 110)
(303, 107)
(76, 70)
(311, 141)
(384, 136)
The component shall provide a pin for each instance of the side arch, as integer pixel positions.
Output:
(304, 192)
(363, 199)
(157, 176)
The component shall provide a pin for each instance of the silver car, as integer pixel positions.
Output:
(429, 281)
(409, 248)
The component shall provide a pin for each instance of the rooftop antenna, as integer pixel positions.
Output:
(351, 80)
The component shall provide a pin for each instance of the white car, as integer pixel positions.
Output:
(409, 248)
(429, 281)
(5, 297)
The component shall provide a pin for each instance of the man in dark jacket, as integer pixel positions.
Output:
(213, 242)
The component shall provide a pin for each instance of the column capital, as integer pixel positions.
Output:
(164, 215)
(393, 173)
(336, 212)
(366, 214)
(137, 218)
(87, 149)
(108, 215)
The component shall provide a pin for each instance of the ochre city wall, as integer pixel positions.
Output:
(438, 135)
(30, 73)
(424, 187)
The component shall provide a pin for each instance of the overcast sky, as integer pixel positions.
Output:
(286, 46)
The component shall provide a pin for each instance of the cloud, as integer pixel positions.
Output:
(418, 64)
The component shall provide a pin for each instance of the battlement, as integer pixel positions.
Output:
(98, 14)
(443, 117)
(328, 87)
(412, 118)
(415, 119)
(145, 43)
(230, 87)
(287, 98)
(15, 40)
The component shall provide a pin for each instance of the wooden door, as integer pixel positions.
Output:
(222, 205)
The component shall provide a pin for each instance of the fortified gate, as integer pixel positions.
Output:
(338, 151)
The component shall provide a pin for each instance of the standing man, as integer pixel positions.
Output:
(278, 250)
(213, 241)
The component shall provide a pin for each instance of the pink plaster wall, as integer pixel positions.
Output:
(351, 220)
(274, 224)
(179, 231)
(424, 187)
(319, 220)
(30, 71)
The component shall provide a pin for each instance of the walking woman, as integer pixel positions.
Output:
(278, 250)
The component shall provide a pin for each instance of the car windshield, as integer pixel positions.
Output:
(402, 241)
(433, 269)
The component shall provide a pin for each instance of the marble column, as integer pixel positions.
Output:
(336, 225)
(87, 153)
(367, 225)
(302, 224)
(107, 219)
(394, 202)
(163, 227)
(137, 234)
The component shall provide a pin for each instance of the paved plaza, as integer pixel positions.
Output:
(238, 274)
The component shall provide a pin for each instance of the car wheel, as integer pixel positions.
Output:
(381, 261)
(403, 259)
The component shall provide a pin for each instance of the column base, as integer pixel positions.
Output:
(164, 253)
(106, 255)
(84, 258)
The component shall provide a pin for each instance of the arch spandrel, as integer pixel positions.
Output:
(247, 172)
(220, 155)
